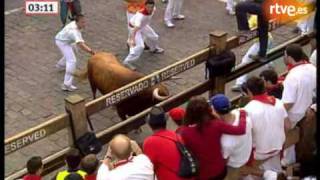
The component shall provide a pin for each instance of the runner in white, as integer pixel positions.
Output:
(66, 39)
(140, 30)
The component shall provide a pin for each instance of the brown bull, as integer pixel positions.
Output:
(106, 74)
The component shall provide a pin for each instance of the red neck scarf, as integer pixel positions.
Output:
(122, 162)
(291, 66)
(264, 98)
(144, 11)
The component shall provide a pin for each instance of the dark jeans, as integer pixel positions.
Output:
(242, 9)
(64, 8)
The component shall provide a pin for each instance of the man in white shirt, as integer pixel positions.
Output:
(269, 121)
(235, 149)
(173, 11)
(298, 90)
(125, 165)
(65, 40)
(140, 30)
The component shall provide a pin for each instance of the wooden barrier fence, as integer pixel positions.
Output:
(79, 109)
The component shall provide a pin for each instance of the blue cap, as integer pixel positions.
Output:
(220, 103)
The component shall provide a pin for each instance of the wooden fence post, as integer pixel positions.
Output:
(218, 39)
(75, 104)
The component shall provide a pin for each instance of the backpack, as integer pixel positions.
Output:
(220, 64)
(189, 166)
(89, 144)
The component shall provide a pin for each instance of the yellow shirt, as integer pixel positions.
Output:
(253, 23)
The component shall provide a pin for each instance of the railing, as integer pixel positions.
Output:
(79, 109)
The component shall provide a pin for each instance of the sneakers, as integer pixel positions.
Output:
(179, 17)
(258, 58)
(129, 66)
(68, 88)
(158, 50)
(236, 88)
(169, 24)
(60, 68)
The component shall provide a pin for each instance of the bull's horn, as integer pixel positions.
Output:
(157, 96)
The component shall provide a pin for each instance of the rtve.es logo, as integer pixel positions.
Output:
(285, 10)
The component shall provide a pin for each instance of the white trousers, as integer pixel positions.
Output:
(253, 50)
(173, 9)
(230, 4)
(151, 38)
(68, 60)
(129, 16)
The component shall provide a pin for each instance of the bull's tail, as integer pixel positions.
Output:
(82, 75)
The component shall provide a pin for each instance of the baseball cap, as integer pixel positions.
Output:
(220, 103)
(156, 116)
(177, 114)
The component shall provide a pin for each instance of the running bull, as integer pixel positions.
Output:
(106, 74)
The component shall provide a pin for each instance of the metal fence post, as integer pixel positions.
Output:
(218, 39)
(75, 105)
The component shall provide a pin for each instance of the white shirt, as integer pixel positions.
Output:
(140, 20)
(298, 88)
(70, 34)
(267, 126)
(140, 168)
(313, 57)
(237, 149)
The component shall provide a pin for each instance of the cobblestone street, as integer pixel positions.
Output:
(32, 84)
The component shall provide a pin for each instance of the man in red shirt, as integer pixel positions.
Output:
(34, 167)
(161, 148)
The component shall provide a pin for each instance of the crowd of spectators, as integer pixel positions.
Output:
(222, 139)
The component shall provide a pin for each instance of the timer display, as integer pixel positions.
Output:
(41, 7)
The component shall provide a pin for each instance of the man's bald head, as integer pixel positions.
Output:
(121, 147)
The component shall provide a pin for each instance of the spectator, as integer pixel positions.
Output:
(254, 7)
(161, 148)
(253, 50)
(173, 11)
(72, 159)
(271, 83)
(202, 136)
(89, 164)
(177, 115)
(73, 176)
(139, 31)
(269, 120)
(34, 167)
(69, 35)
(125, 166)
(235, 149)
(298, 90)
